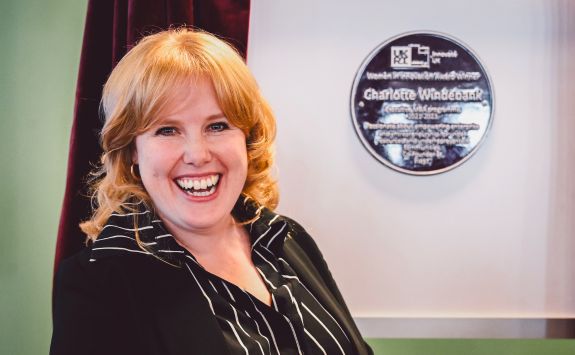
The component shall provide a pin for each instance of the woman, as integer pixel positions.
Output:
(186, 255)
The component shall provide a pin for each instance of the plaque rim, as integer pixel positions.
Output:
(366, 62)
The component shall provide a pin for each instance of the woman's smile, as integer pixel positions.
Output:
(200, 186)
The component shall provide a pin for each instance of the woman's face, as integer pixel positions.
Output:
(193, 161)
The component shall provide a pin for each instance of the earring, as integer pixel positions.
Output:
(133, 172)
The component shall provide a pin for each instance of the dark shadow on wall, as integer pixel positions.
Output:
(561, 329)
(560, 268)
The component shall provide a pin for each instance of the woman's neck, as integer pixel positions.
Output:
(219, 239)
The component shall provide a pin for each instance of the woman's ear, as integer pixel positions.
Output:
(134, 154)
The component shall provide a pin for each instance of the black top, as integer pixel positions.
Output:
(297, 322)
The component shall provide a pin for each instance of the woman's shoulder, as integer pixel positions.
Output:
(97, 297)
(85, 260)
(78, 273)
(269, 217)
(77, 266)
(94, 270)
(300, 235)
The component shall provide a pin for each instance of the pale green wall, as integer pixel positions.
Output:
(40, 44)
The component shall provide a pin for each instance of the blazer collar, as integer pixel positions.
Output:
(288, 248)
(310, 276)
(142, 231)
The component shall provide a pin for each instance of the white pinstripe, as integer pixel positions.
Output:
(275, 235)
(266, 321)
(266, 260)
(114, 237)
(324, 327)
(202, 289)
(315, 341)
(242, 328)
(261, 236)
(127, 229)
(294, 335)
(129, 214)
(238, 337)
(273, 219)
(229, 292)
(317, 301)
(118, 248)
(258, 328)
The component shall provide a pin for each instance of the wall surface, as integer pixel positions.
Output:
(39, 59)
(492, 238)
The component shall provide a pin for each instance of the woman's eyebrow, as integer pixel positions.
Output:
(165, 121)
(174, 121)
(216, 116)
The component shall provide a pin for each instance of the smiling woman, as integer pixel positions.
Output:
(185, 253)
(159, 77)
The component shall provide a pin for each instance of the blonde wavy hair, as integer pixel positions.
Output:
(141, 85)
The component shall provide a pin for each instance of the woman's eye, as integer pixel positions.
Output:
(166, 131)
(218, 126)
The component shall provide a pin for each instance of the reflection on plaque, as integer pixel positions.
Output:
(422, 103)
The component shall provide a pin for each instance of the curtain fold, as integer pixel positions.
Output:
(112, 27)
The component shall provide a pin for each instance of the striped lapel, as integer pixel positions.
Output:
(310, 276)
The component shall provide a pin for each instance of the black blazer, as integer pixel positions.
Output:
(137, 304)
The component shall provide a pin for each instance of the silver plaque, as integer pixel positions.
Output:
(422, 103)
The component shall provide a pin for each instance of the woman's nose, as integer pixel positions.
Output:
(197, 151)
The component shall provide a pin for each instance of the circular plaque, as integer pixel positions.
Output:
(422, 103)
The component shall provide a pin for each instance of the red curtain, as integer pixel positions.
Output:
(112, 27)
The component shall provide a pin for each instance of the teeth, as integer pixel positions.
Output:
(202, 193)
(199, 184)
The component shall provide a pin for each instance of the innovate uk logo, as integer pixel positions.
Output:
(410, 57)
